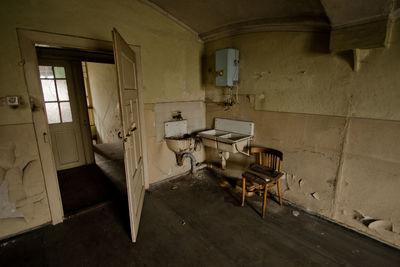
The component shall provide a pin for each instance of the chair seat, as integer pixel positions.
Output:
(262, 174)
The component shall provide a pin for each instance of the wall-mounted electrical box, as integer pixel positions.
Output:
(226, 67)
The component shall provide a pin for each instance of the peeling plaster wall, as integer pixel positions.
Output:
(338, 129)
(104, 91)
(23, 202)
(170, 56)
(370, 179)
(294, 72)
(311, 145)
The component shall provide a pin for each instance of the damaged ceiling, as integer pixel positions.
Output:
(213, 20)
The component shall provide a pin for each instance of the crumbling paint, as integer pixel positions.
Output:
(170, 57)
(23, 201)
(315, 195)
(294, 72)
(312, 146)
(7, 209)
(311, 103)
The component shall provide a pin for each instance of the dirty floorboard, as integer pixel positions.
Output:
(194, 221)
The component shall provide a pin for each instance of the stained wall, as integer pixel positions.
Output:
(338, 129)
(103, 87)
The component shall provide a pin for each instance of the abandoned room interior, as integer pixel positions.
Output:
(205, 133)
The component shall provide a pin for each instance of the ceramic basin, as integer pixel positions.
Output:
(178, 145)
(229, 135)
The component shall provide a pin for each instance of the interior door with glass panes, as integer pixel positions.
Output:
(62, 113)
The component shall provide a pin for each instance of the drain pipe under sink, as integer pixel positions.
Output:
(180, 157)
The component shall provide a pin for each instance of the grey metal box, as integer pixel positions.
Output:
(226, 66)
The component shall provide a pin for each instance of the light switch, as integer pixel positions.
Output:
(12, 100)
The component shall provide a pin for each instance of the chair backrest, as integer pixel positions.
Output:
(268, 157)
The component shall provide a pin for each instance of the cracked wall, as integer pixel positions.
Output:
(338, 129)
(23, 198)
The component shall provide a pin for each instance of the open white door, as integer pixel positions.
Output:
(125, 60)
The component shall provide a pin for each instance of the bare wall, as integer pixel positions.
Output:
(102, 81)
(338, 129)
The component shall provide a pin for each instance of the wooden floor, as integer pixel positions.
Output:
(197, 221)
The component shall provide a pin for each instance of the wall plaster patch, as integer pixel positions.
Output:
(7, 209)
(19, 187)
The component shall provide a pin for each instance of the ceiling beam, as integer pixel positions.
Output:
(291, 24)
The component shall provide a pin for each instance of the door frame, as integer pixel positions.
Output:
(28, 41)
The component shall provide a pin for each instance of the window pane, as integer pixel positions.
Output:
(53, 115)
(46, 72)
(60, 72)
(62, 90)
(66, 112)
(49, 90)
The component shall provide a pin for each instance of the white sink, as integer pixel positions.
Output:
(179, 145)
(176, 136)
(229, 135)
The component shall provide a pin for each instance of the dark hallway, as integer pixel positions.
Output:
(86, 186)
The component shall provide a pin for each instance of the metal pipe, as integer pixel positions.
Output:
(192, 160)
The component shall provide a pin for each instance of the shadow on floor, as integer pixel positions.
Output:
(83, 187)
(91, 186)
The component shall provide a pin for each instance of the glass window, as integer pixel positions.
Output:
(53, 114)
(46, 72)
(49, 90)
(60, 72)
(55, 93)
(62, 90)
(66, 114)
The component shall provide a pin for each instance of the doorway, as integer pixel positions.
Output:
(129, 73)
(83, 114)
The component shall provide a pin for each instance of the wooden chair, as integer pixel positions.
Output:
(266, 172)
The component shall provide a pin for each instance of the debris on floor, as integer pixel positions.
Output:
(250, 188)
(224, 184)
(315, 195)
(295, 213)
(174, 187)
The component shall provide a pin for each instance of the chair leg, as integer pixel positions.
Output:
(265, 200)
(278, 185)
(243, 191)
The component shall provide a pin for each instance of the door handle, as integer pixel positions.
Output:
(119, 135)
(45, 139)
(133, 129)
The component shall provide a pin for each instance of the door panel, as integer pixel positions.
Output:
(125, 60)
(65, 143)
(62, 113)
